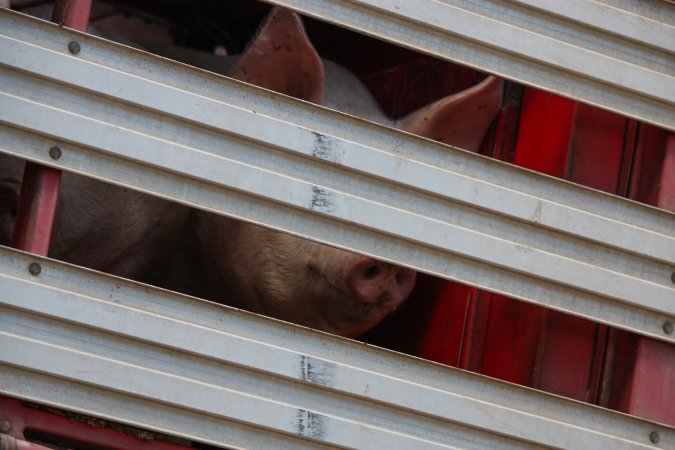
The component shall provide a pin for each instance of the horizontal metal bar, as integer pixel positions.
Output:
(130, 118)
(100, 345)
(657, 10)
(599, 52)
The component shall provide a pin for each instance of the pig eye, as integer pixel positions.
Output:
(371, 272)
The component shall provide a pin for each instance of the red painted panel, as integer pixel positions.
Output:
(573, 349)
(446, 324)
(649, 169)
(576, 359)
(430, 324)
(598, 148)
(571, 357)
(641, 378)
(653, 383)
(545, 133)
(503, 338)
(527, 344)
(665, 197)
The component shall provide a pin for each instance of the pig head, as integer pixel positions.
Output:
(289, 278)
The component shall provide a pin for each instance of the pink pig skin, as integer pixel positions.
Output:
(289, 278)
(137, 236)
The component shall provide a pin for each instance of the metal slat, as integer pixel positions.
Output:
(133, 119)
(603, 53)
(104, 346)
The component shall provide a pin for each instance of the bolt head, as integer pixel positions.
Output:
(654, 437)
(74, 47)
(668, 327)
(5, 427)
(34, 269)
(55, 152)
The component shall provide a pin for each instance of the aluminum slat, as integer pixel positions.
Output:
(136, 120)
(606, 53)
(103, 346)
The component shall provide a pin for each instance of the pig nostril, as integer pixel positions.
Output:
(371, 272)
(405, 278)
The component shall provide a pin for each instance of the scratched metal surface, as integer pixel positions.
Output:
(103, 346)
(133, 119)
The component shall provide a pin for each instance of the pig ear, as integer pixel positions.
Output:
(461, 119)
(282, 59)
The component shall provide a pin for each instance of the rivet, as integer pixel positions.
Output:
(672, 277)
(5, 427)
(668, 327)
(34, 269)
(55, 152)
(654, 437)
(74, 47)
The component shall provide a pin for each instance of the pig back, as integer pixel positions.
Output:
(114, 229)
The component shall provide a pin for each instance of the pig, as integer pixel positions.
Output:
(289, 278)
(148, 239)
(99, 225)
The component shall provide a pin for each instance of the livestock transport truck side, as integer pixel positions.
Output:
(544, 304)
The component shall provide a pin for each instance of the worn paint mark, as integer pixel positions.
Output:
(310, 424)
(523, 248)
(325, 148)
(399, 160)
(322, 200)
(536, 216)
(317, 371)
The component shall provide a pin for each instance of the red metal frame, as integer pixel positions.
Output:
(72, 13)
(40, 187)
(37, 205)
(34, 424)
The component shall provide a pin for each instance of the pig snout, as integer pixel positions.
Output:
(377, 282)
